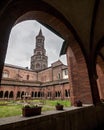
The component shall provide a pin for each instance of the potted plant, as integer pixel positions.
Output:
(78, 103)
(59, 106)
(31, 110)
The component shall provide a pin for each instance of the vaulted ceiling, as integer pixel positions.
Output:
(87, 19)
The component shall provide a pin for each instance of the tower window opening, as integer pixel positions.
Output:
(59, 76)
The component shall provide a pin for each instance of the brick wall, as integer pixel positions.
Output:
(45, 75)
(20, 74)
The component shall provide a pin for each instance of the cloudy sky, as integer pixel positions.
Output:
(22, 42)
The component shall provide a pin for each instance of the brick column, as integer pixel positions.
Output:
(62, 91)
(94, 89)
(78, 76)
(53, 92)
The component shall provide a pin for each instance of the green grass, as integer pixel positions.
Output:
(6, 111)
(13, 108)
(66, 103)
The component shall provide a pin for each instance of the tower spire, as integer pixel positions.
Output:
(40, 40)
(40, 32)
(39, 60)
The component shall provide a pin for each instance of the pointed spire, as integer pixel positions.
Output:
(40, 33)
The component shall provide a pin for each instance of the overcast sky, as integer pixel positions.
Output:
(22, 43)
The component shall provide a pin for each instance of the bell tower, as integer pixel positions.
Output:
(39, 60)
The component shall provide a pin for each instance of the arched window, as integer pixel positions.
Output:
(59, 76)
(11, 94)
(48, 94)
(66, 72)
(36, 94)
(18, 94)
(5, 74)
(22, 94)
(59, 94)
(6, 94)
(32, 94)
(27, 77)
(39, 94)
(1, 94)
(39, 40)
(56, 94)
(67, 93)
(37, 65)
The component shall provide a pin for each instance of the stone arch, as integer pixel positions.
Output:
(1, 94)
(66, 93)
(36, 94)
(57, 23)
(22, 93)
(39, 94)
(11, 94)
(6, 94)
(56, 94)
(49, 94)
(80, 61)
(59, 93)
(18, 94)
(32, 94)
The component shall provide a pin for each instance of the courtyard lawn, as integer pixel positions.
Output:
(10, 110)
(66, 103)
(13, 108)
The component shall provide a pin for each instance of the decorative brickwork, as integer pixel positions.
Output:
(39, 60)
(23, 81)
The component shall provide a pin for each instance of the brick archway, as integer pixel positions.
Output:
(79, 87)
(57, 25)
(100, 74)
